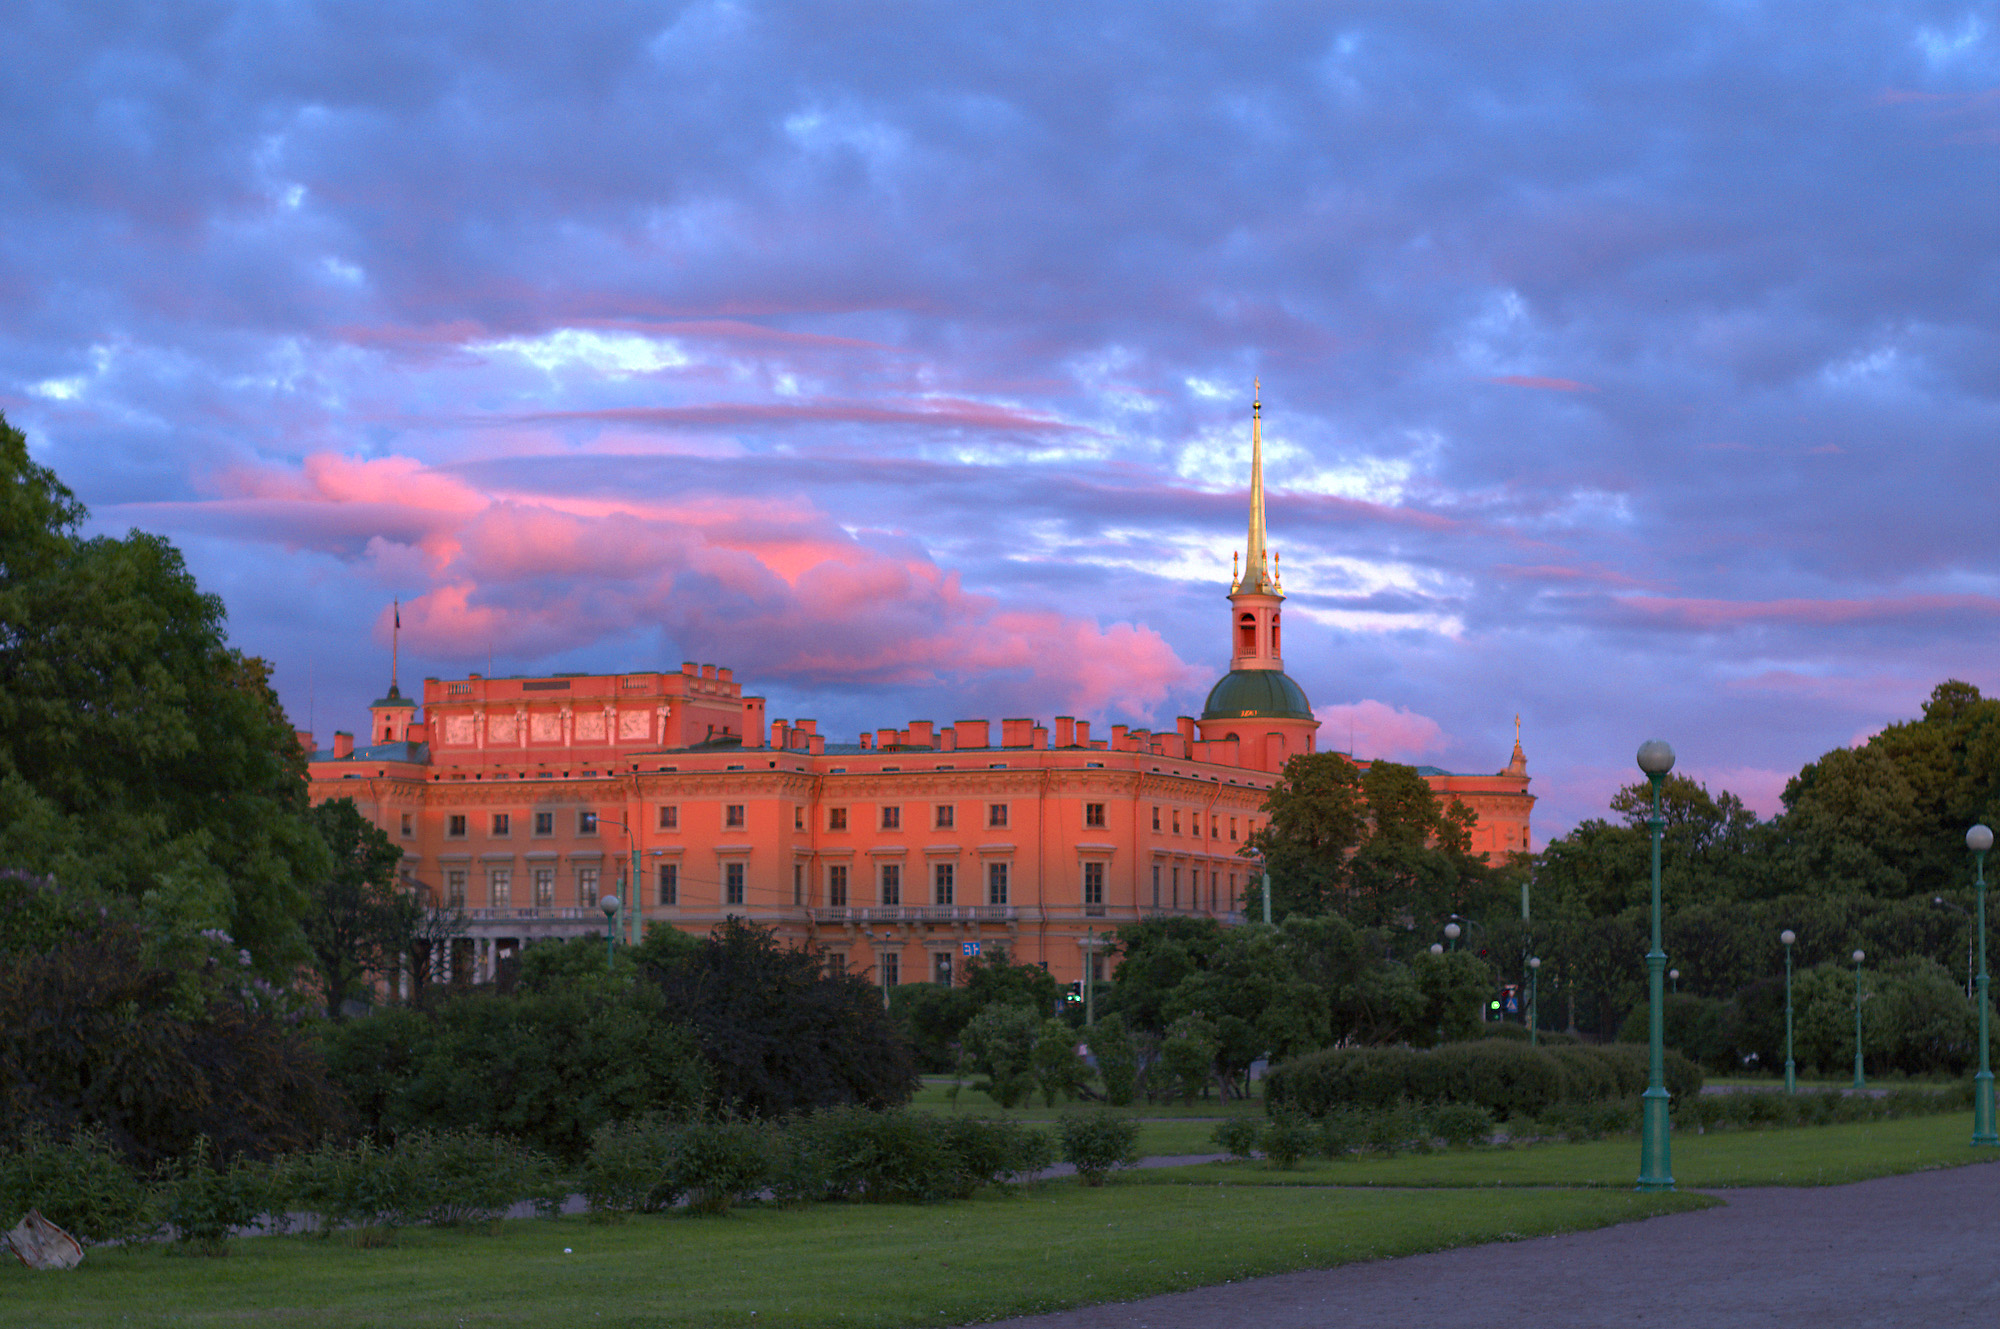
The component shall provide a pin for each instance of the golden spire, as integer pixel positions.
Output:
(1256, 563)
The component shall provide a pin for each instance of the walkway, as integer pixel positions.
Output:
(1918, 1250)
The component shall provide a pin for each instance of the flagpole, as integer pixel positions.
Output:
(395, 633)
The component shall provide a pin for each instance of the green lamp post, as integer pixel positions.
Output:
(1859, 1081)
(1534, 1000)
(1656, 1172)
(1451, 934)
(1980, 839)
(1791, 1072)
(609, 904)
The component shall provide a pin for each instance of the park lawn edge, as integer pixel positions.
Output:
(1059, 1247)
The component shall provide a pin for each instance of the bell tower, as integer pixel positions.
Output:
(1256, 704)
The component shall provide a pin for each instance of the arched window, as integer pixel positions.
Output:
(1274, 634)
(1246, 634)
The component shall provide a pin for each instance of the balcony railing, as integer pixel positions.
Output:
(545, 913)
(943, 913)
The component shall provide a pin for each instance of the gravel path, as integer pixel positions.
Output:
(1917, 1250)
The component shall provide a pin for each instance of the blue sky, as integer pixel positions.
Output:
(1632, 368)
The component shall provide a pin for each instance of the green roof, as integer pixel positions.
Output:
(1265, 693)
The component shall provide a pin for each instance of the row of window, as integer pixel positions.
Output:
(889, 967)
(1171, 879)
(944, 818)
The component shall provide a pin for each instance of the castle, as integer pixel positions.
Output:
(522, 802)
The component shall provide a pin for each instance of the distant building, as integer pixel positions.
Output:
(522, 801)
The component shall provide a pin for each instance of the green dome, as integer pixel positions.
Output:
(1266, 693)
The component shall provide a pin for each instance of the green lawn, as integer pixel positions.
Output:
(846, 1265)
(1808, 1156)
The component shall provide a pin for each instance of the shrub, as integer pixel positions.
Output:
(990, 1153)
(1341, 1132)
(1238, 1136)
(883, 1157)
(205, 1204)
(463, 1177)
(82, 1186)
(1058, 1071)
(1461, 1125)
(627, 1170)
(1187, 1057)
(350, 1185)
(716, 1163)
(1096, 1142)
(1289, 1138)
(1000, 1044)
(1117, 1060)
(1508, 1079)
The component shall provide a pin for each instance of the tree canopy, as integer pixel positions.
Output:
(139, 754)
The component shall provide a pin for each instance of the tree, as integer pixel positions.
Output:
(1000, 1044)
(1317, 819)
(138, 753)
(780, 1032)
(358, 923)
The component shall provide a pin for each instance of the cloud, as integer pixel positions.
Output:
(1372, 729)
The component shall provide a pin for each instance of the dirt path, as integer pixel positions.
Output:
(1919, 1250)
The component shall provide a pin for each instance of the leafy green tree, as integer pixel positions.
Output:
(1187, 1059)
(139, 754)
(782, 1034)
(991, 979)
(358, 922)
(1154, 956)
(1117, 1060)
(1058, 1071)
(1254, 1001)
(1000, 1044)
(1318, 817)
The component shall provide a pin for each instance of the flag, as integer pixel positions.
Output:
(399, 615)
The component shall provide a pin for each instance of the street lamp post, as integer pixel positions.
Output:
(1534, 1000)
(1675, 975)
(1980, 839)
(1451, 933)
(1859, 1082)
(1656, 1171)
(1791, 1074)
(1089, 988)
(609, 904)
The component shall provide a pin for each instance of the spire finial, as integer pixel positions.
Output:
(395, 642)
(1256, 563)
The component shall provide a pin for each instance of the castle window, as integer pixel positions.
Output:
(545, 823)
(996, 883)
(454, 826)
(1093, 888)
(946, 816)
(836, 819)
(732, 817)
(996, 816)
(836, 885)
(1093, 814)
(892, 819)
(586, 887)
(941, 969)
(732, 883)
(502, 824)
(670, 818)
(798, 883)
(892, 883)
(409, 827)
(1156, 819)
(891, 969)
(670, 883)
(586, 823)
(945, 884)
(1274, 633)
(1246, 635)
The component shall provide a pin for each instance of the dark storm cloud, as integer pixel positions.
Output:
(1630, 367)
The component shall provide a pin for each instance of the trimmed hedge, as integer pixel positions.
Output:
(1506, 1078)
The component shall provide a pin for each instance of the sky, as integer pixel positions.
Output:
(1633, 369)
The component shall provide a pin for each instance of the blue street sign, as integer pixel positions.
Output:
(972, 948)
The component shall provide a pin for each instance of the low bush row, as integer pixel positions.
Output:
(452, 1178)
(1507, 1079)
(1764, 1109)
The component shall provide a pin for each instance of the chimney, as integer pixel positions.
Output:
(807, 726)
(947, 739)
(1118, 732)
(1040, 739)
(1016, 733)
(920, 735)
(708, 671)
(1065, 731)
(816, 744)
(1185, 724)
(418, 732)
(724, 675)
(972, 733)
(865, 737)
(343, 744)
(305, 739)
(1083, 733)
(780, 734)
(885, 737)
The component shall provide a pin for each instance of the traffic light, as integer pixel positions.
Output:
(1075, 992)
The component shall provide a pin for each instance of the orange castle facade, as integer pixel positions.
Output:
(522, 802)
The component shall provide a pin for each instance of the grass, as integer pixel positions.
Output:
(858, 1265)
(1807, 1156)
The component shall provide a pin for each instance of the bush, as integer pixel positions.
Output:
(1462, 1125)
(359, 1185)
(994, 1153)
(1508, 1079)
(83, 1186)
(1058, 1071)
(1187, 1058)
(1000, 1044)
(627, 1170)
(205, 1204)
(1117, 1060)
(462, 1177)
(882, 1157)
(1238, 1137)
(716, 1163)
(1096, 1142)
(1289, 1138)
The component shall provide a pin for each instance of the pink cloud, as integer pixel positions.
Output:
(1376, 729)
(1816, 613)
(771, 585)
